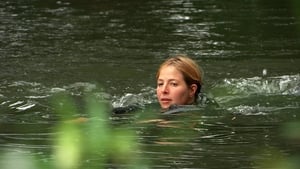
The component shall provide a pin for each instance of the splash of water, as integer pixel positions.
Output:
(146, 96)
(259, 95)
(279, 85)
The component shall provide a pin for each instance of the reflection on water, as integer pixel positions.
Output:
(249, 113)
(113, 48)
(281, 92)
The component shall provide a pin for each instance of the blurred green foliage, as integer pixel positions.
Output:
(279, 159)
(89, 143)
(77, 143)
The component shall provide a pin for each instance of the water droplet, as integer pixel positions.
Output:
(264, 72)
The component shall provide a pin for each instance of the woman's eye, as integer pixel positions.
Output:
(160, 84)
(174, 84)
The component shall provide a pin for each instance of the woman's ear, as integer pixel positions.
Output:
(193, 88)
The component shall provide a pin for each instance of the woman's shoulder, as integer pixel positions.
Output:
(203, 101)
(181, 108)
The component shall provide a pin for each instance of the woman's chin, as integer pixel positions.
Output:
(165, 106)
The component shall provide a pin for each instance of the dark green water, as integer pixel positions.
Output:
(248, 49)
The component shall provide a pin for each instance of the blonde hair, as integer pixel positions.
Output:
(191, 71)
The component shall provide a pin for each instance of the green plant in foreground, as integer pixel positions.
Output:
(278, 160)
(91, 144)
(76, 144)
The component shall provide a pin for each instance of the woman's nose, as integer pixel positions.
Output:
(165, 89)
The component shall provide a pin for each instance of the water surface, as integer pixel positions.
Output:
(249, 51)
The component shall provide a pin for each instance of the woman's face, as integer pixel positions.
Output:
(172, 89)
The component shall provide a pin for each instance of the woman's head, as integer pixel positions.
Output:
(179, 81)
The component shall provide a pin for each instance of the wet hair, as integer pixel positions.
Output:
(191, 71)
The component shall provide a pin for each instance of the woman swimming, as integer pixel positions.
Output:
(179, 81)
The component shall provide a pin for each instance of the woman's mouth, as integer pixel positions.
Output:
(165, 100)
(165, 103)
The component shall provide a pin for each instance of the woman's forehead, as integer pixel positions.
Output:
(170, 72)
